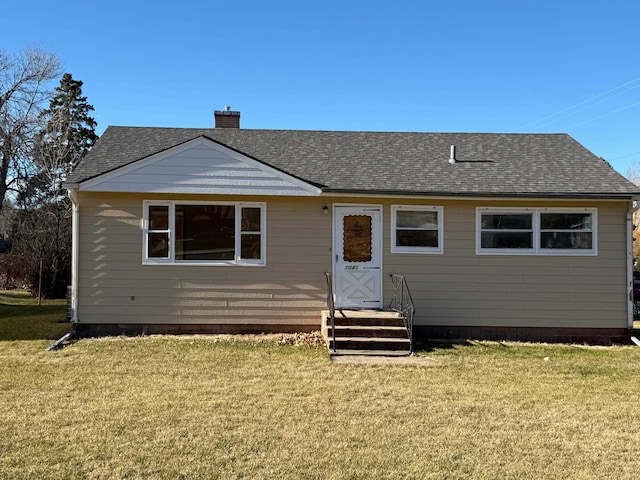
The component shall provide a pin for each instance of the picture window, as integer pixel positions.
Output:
(204, 233)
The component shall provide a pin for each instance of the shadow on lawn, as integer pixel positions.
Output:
(32, 322)
(427, 346)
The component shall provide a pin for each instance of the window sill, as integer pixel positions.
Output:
(545, 253)
(204, 264)
(417, 251)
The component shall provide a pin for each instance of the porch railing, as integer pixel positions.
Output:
(402, 302)
(332, 308)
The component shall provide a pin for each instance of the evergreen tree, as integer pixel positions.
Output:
(41, 230)
(68, 134)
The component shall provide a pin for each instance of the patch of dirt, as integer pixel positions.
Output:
(311, 339)
(380, 360)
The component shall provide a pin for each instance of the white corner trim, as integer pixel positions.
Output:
(75, 252)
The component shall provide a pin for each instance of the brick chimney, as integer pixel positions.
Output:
(226, 118)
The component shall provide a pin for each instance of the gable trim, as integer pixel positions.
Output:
(299, 187)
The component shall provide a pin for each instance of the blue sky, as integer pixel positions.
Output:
(457, 66)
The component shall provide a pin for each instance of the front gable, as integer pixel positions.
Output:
(200, 166)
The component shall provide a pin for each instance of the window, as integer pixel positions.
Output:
(566, 231)
(204, 233)
(357, 238)
(536, 231)
(416, 229)
(513, 231)
(158, 234)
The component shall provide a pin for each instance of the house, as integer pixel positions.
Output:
(499, 236)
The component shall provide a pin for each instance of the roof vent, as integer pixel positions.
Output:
(452, 154)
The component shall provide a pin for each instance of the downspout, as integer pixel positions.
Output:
(72, 192)
(75, 229)
(633, 207)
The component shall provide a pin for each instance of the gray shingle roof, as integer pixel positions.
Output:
(385, 162)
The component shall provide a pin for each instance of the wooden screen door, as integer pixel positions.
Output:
(357, 259)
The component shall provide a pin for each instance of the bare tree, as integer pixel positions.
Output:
(39, 235)
(40, 230)
(633, 174)
(24, 89)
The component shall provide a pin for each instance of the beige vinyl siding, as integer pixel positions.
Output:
(457, 287)
(289, 290)
(464, 289)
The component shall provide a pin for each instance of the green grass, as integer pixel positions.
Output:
(231, 408)
(21, 318)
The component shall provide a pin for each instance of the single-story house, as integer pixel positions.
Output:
(503, 236)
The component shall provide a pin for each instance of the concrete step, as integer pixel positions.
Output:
(364, 318)
(370, 353)
(370, 344)
(377, 331)
(367, 332)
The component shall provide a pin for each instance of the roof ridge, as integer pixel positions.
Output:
(387, 132)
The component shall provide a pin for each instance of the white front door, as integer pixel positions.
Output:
(357, 259)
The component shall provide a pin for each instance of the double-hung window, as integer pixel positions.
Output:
(506, 230)
(205, 233)
(566, 231)
(416, 229)
(536, 231)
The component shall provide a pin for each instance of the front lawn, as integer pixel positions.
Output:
(231, 407)
(201, 407)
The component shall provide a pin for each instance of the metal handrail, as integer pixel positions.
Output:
(402, 302)
(332, 307)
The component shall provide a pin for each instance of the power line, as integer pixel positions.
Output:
(592, 105)
(604, 115)
(626, 156)
(579, 104)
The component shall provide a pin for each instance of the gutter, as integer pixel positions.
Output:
(337, 192)
(67, 337)
(72, 192)
(633, 207)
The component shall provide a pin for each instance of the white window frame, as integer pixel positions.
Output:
(170, 260)
(536, 232)
(505, 211)
(147, 231)
(419, 250)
